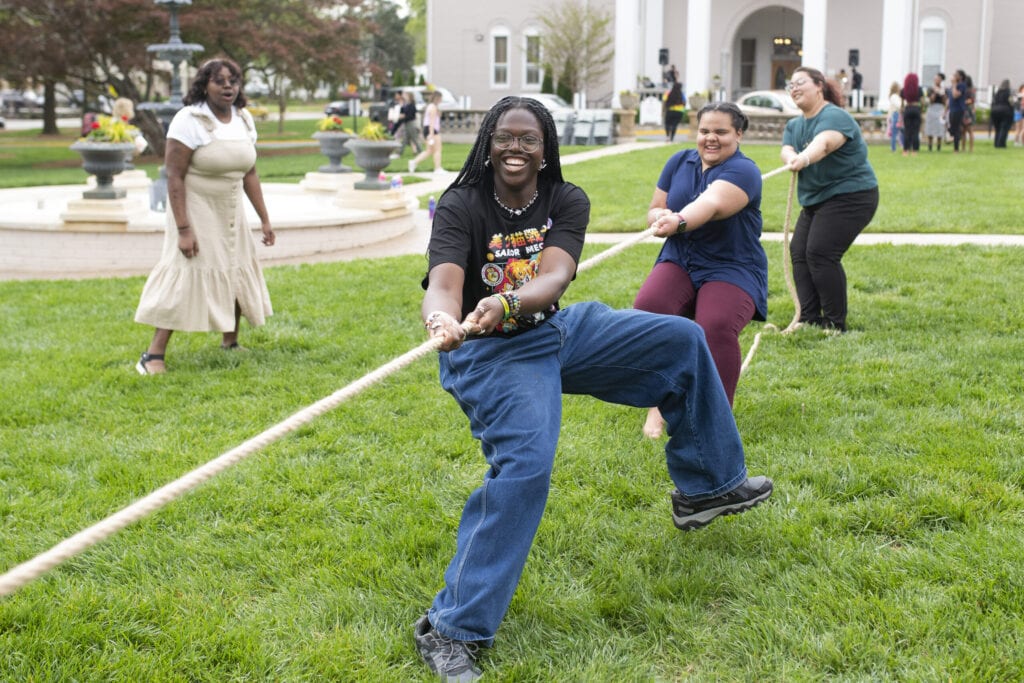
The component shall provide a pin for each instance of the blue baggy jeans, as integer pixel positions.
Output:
(511, 391)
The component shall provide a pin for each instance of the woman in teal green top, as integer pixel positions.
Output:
(837, 189)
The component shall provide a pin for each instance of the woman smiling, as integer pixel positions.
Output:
(837, 189)
(712, 267)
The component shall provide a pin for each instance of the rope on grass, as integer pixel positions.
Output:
(32, 569)
(787, 269)
(24, 573)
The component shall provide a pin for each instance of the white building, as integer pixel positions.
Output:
(487, 49)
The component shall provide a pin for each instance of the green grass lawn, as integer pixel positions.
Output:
(930, 193)
(890, 550)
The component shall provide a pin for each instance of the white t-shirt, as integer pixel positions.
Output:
(189, 130)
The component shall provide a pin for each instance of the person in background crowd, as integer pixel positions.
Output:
(1018, 115)
(837, 189)
(674, 106)
(712, 268)
(934, 121)
(1002, 114)
(956, 106)
(409, 130)
(208, 275)
(895, 120)
(911, 113)
(504, 247)
(395, 113)
(432, 132)
(969, 114)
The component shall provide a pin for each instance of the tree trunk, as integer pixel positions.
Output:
(50, 108)
(153, 130)
(282, 104)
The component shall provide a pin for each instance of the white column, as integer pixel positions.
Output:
(653, 20)
(627, 47)
(897, 28)
(698, 46)
(814, 31)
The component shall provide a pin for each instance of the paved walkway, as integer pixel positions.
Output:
(415, 241)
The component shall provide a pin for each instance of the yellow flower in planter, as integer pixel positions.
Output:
(109, 129)
(332, 124)
(374, 131)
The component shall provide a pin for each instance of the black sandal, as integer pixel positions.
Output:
(233, 346)
(146, 357)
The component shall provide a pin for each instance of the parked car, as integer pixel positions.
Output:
(344, 107)
(553, 102)
(379, 109)
(768, 102)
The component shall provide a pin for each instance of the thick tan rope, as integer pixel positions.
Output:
(787, 269)
(26, 572)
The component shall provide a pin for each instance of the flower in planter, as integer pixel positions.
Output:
(110, 129)
(333, 124)
(374, 131)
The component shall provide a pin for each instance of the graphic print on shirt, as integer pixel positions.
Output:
(512, 261)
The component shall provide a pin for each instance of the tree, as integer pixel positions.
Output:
(548, 85)
(389, 49)
(94, 43)
(417, 28)
(580, 34)
(102, 43)
(291, 43)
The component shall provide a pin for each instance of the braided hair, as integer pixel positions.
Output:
(477, 166)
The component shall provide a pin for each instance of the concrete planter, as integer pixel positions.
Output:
(332, 144)
(104, 160)
(373, 156)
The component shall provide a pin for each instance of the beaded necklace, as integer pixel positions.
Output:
(520, 211)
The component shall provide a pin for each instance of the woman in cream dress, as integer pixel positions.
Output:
(208, 275)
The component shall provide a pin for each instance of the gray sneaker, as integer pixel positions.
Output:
(453, 660)
(689, 514)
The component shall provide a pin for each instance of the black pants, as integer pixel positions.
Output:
(672, 119)
(1002, 119)
(822, 234)
(911, 128)
(956, 129)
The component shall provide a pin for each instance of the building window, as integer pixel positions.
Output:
(933, 47)
(748, 62)
(499, 58)
(532, 71)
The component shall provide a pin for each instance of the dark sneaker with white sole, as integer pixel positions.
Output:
(453, 660)
(688, 514)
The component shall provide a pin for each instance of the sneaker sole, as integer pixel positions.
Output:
(701, 519)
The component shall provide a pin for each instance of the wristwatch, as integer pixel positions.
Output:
(682, 223)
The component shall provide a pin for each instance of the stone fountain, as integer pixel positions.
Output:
(48, 229)
(176, 52)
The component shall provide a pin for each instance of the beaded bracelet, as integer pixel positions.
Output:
(509, 304)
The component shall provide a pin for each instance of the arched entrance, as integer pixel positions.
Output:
(768, 46)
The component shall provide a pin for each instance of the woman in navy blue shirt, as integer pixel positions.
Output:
(712, 267)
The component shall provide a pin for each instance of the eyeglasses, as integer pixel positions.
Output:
(527, 143)
(221, 82)
(796, 84)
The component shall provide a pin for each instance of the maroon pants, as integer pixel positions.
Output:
(721, 309)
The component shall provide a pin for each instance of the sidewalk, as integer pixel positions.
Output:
(415, 241)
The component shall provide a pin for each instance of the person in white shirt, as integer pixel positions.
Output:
(208, 275)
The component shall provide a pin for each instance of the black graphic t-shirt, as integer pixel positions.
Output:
(499, 253)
